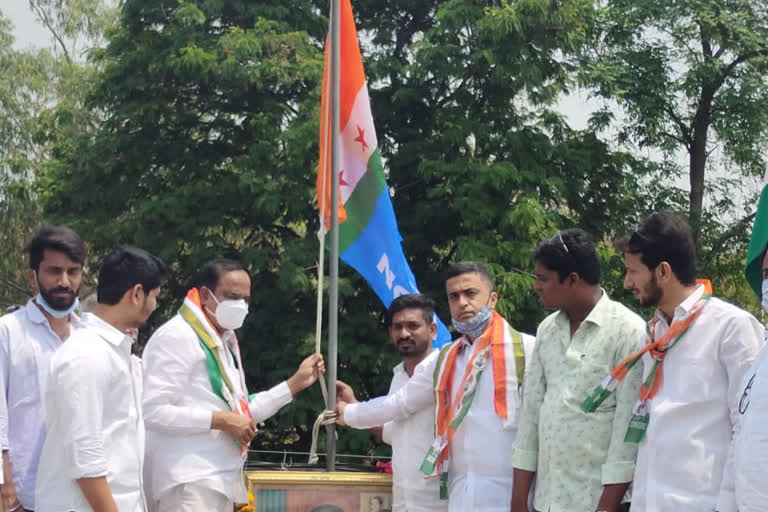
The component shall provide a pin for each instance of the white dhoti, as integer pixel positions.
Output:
(192, 498)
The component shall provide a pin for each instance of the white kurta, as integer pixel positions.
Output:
(480, 474)
(410, 439)
(751, 452)
(178, 406)
(27, 343)
(95, 427)
(684, 462)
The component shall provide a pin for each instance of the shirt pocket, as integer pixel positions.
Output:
(581, 383)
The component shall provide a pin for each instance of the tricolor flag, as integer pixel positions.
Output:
(757, 244)
(369, 240)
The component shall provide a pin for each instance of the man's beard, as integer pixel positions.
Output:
(652, 293)
(409, 349)
(60, 303)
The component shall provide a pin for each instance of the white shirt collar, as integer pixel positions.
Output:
(106, 331)
(36, 316)
(684, 307)
(595, 317)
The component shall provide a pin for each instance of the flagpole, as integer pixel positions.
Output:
(333, 289)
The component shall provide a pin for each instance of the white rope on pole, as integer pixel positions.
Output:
(326, 417)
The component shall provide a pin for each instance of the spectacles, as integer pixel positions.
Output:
(557, 239)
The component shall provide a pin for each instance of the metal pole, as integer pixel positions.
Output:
(333, 292)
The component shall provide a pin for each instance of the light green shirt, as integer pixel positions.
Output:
(575, 453)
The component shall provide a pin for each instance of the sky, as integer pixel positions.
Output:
(27, 31)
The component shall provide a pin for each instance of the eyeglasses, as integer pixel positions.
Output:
(557, 239)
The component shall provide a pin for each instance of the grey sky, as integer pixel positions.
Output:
(27, 31)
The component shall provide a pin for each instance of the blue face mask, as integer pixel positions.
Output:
(475, 327)
(764, 301)
(56, 313)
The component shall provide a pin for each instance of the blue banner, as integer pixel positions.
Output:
(377, 255)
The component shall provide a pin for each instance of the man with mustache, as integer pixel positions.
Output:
(694, 360)
(580, 461)
(200, 417)
(475, 385)
(412, 327)
(28, 338)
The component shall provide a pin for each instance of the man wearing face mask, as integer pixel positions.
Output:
(196, 405)
(28, 338)
(751, 450)
(475, 385)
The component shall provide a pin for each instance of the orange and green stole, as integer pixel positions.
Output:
(500, 345)
(658, 349)
(210, 341)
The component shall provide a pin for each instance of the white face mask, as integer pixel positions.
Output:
(230, 314)
(764, 301)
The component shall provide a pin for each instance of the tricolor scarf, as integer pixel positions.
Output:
(214, 348)
(503, 346)
(658, 349)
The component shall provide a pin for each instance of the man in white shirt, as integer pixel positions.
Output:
(411, 329)
(475, 385)
(28, 338)
(92, 459)
(199, 417)
(751, 452)
(694, 362)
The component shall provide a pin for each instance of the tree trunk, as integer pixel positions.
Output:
(698, 162)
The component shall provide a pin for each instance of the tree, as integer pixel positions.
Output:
(75, 26)
(38, 90)
(689, 75)
(24, 91)
(481, 166)
(206, 149)
(209, 147)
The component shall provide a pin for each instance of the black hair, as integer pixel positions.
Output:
(570, 250)
(55, 238)
(124, 268)
(211, 272)
(664, 236)
(470, 267)
(415, 301)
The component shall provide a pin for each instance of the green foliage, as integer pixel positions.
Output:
(690, 75)
(481, 166)
(24, 91)
(41, 98)
(203, 143)
(206, 149)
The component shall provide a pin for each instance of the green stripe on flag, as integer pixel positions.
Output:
(754, 267)
(362, 203)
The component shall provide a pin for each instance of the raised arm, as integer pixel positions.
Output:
(417, 394)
